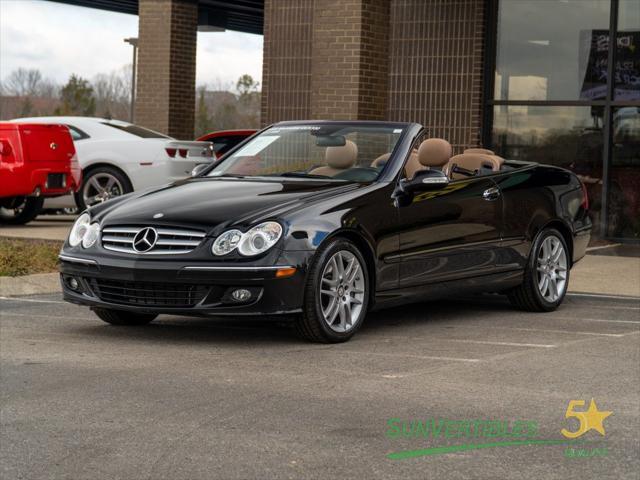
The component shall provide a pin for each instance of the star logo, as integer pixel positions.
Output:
(145, 240)
(589, 420)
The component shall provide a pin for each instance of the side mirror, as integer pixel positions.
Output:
(425, 180)
(198, 169)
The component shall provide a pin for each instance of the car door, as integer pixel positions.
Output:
(450, 233)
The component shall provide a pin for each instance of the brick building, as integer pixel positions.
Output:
(530, 79)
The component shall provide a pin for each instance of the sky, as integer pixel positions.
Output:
(63, 39)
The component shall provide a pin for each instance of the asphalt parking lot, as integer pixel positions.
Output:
(193, 398)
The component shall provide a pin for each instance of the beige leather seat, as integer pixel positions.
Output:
(338, 159)
(474, 162)
(432, 153)
(479, 150)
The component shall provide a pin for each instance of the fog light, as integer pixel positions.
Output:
(73, 284)
(241, 295)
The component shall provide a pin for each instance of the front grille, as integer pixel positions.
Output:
(148, 294)
(170, 241)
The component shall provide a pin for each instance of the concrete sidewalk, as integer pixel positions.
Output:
(606, 275)
(45, 227)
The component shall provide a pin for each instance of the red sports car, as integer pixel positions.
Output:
(225, 140)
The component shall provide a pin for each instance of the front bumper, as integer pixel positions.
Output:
(184, 288)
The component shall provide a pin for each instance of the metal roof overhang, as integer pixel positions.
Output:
(239, 15)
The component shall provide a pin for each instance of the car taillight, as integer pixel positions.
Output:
(585, 197)
(171, 151)
(183, 152)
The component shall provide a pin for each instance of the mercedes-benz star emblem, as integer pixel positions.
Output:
(145, 240)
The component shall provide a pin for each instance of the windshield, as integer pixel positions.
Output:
(340, 152)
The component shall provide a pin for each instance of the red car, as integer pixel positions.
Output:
(225, 140)
(36, 161)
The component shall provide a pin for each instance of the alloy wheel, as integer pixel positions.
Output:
(101, 187)
(552, 269)
(342, 291)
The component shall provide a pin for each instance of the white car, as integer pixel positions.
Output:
(118, 157)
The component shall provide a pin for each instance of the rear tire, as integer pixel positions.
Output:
(122, 318)
(336, 294)
(546, 277)
(21, 211)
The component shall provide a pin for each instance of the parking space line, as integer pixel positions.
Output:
(66, 317)
(636, 322)
(567, 332)
(603, 296)
(507, 344)
(608, 307)
(423, 357)
(29, 300)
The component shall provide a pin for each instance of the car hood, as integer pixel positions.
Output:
(208, 203)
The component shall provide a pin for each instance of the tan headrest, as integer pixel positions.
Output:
(484, 151)
(434, 152)
(342, 157)
(381, 160)
(475, 161)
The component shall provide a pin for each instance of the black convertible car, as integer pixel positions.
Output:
(325, 221)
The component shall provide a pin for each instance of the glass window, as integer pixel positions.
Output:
(76, 133)
(332, 151)
(623, 217)
(627, 77)
(136, 130)
(570, 137)
(552, 49)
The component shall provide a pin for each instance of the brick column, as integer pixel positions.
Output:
(165, 94)
(437, 58)
(350, 59)
(325, 59)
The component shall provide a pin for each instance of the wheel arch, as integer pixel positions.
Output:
(564, 230)
(364, 246)
(99, 164)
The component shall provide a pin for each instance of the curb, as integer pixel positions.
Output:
(38, 283)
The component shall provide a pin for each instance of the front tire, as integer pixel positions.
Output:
(336, 294)
(546, 277)
(122, 318)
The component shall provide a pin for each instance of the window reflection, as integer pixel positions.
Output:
(627, 78)
(623, 216)
(545, 49)
(569, 137)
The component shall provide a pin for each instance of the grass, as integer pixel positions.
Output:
(23, 256)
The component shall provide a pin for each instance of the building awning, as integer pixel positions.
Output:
(239, 15)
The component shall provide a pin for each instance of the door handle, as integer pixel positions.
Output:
(491, 193)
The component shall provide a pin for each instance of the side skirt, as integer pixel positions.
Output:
(495, 282)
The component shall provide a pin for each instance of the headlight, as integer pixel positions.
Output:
(260, 238)
(91, 235)
(257, 240)
(226, 242)
(79, 229)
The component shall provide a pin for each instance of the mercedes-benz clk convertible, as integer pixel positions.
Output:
(322, 222)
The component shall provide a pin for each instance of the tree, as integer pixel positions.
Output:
(203, 119)
(112, 92)
(77, 98)
(23, 82)
(246, 86)
(28, 83)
